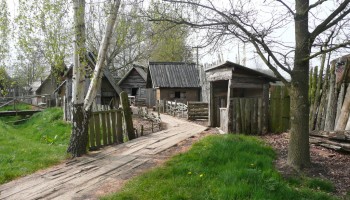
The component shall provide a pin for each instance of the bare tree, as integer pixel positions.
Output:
(260, 26)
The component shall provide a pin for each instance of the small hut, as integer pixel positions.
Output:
(134, 83)
(174, 81)
(239, 98)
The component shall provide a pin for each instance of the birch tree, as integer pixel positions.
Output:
(81, 107)
(260, 24)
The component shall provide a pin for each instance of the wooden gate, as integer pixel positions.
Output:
(197, 110)
(247, 115)
(105, 128)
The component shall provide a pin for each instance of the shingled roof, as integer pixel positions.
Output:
(174, 75)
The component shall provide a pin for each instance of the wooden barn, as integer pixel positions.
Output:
(43, 91)
(134, 83)
(174, 81)
(238, 98)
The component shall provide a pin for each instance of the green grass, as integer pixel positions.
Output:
(35, 144)
(19, 106)
(221, 167)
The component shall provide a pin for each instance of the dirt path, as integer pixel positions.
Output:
(85, 177)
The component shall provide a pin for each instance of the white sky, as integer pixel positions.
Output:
(230, 50)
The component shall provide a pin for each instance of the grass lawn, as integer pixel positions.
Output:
(19, 106)
(35, 144)
(222, 167)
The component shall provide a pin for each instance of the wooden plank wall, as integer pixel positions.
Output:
(105, 128)
(247, 114)
(197, 110)
(279, 119)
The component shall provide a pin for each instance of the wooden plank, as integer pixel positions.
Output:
(254, 123)
(104, 128)
(247, 116)
(238, 116)
(114, 126)
(259, 116)
(92, 132)
(109, 128)
(247, 85)
(97, 129)
(233, 111)
(120, 137)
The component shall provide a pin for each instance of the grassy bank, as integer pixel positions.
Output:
(34, 144)
(222, 167)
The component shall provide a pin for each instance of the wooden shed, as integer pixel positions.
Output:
(107, 93)
(239, 98)
(174, 81)
(134, 83)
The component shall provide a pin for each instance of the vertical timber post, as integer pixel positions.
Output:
(127, 115)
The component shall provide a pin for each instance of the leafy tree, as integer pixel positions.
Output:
(168, 40)
(260, 24)
(4, 32)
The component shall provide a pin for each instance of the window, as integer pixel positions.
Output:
(177, 94)
(134, 91)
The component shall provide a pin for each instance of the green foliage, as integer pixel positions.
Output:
(35, 144)
(168, 39)
(19, 106)
(4, 32)
(219, 167)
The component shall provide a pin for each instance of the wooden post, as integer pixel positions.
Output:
(332, 101)
(120, 138)
(340, 101)
(97, 130)
(211, 106)
(265, 114)
(92, 132)
(152, 127)
(127, 115)
(141, 132)
(174, 108)
(228, 107)
(344, 114)
(114, 126)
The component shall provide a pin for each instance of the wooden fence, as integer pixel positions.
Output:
(279, 119)
(247, 114)
(197, 110)
(105, 128)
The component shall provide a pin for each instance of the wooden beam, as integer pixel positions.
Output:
(247, 85)
(211, 106)
(217, 75)
(248, 80)
(229, 108)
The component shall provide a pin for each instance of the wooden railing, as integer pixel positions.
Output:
(105, 128)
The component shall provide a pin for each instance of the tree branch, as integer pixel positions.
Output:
(331, 19)
(315, 4)
(328, 50)
(288, 8)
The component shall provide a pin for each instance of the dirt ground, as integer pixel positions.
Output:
(326, 164)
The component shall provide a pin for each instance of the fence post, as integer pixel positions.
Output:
(119, 126)
(127, 115)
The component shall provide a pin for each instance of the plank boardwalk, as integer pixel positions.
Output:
(79, 178)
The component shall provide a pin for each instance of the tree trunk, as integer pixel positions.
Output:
(298, 150)
(79, 138)
(340, 101)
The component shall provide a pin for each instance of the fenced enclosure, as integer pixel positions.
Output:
(197, 110)
(105, 128)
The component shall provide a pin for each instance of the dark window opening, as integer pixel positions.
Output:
(177, 94)
(134, 91)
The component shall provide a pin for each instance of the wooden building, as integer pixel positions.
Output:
(174, 81)
(134, 83)
(43, 91)
(238, 98)
(107, 93)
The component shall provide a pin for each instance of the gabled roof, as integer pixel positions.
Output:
(140, 69)
(174, 75)
(92, 63)
(236, 66)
